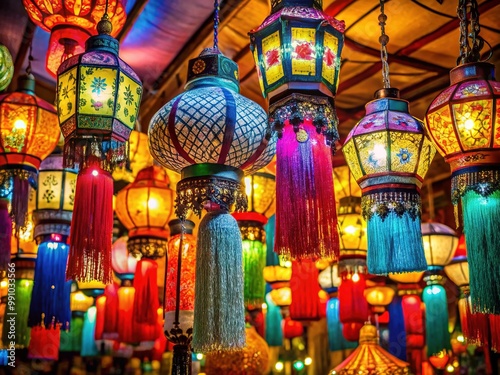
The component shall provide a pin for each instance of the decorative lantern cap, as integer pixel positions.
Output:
(279, 4)
(153, 173)
(103, 41)
(388, 92)
(210, 64)
(176, 226)
(368, 334)
(472, 71)
(26, 84)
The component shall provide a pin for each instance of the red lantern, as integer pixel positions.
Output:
(44, 343)
(305, 288)
(353, 308)
(292, 328)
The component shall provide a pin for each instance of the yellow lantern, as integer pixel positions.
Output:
(440, 243)
(80, 302)
(139, 157)
(379, 297)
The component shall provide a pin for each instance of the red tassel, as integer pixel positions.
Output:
(92, 227)
(475, 326)
(495, 332)
(306, 220)
(305, 288)
(146, 301)
(5, 234)
(126, 314)
(100, 304)
(110, 329)
(44, 343)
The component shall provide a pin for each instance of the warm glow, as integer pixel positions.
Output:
(199, 356)
(298, 365)
(308, 361)
(79, 296)
(469, 124)
(26, 283)
(248, 186)
(279, 366)
(379, 295)
(152, 204)
(3, 284)
(355, 277)
(379, 152)
(264, 306)
(350, 229)
(95, 173)
(288, 264)
(460, 338)
(450, 368)
(19, 124)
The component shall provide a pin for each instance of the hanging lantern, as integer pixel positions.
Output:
(297, 54)
(28, 134)
(211, 134)
(292, 328)
(462, 124)
(353, 311)
(370, 358)
(179, 290)
(6, 67)
(336, 340)
(70, 24)
(98, 98)
(124, 264)
(440, 243)
(305, 291)
(139, 158)
(329, 279)
(379, 297)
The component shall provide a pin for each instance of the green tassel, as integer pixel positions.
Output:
(254, 261)
(16, 315)
(436, 319)
(481, 217)
(71, 340)
(219, 312)
(395, 245)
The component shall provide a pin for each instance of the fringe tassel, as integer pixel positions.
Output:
(395, 245)
(353, 308)
(219, 312)
(305, 288)
(306, 218)
(273, 332)
(475, 326)
(336, 340)
(20, 199)
(71, 340)
(397, 332)
(23, 290)
(50, 300)
(45, 343)
(92, 227)
(254, 261)
(481, 217)
(146, 302)
(5, 234)
(436, 319)
(495, 332)
(89, 347)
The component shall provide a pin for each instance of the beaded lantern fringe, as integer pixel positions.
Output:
(219, 314)
(92, 227)
(306, 218)
(436, 319)
(83, 152)
(394, 232)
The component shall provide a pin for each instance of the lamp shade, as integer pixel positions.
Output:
(389, 155)
(458, 269)
(80, 302)
(281, 296)
(407, 277)
(261, 193)
(352, 228)
(71, 23)
(145, 207)
(440, 243)
(6, 67)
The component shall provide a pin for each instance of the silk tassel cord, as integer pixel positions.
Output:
(5, 234)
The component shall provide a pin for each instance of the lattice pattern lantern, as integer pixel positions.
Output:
(389, 154)
(6, 67)
(98, 98)
(71, 23)
(297, 54)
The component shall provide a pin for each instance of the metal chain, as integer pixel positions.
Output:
(384, 39)
(30, 58)
(471, 43)
(216, 25)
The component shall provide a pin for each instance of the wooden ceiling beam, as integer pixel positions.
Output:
(131, 18)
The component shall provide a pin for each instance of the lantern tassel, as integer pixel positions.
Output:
(5, 234)
(273, 332)
(481, 216)
(71, 340)
(336, 340)
(89, 347)
(436, 319)
(92, 227)
(219, 313)
(305, 288)
(146, 302)
(475, 326)
(20, 199)
(45, 343)
(306, 218)
(397, 332)
(254, 261)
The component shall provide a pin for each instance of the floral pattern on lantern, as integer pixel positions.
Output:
(6, 67)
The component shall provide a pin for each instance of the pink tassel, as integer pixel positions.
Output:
(146, 301)
(92, 227)
(306, 220)
(5, 234)
(20, 198)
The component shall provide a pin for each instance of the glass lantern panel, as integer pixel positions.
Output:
(331, 61)
(351, 156)
(259, 72)
(17, 124)
(458, 273)
(69, 191)
(352, 232)
(123, 211)
(471, 89)
(160, 203)
(263, 192)
(473, 122)
(45, 134)
(373, 152)
(66, 98)
(370, 123)
(129, 95)
(97, 91)
(303, 51)
(496, 142)
(441, 128)
(405, 150)
(273, 60)
(442, 98)
(439, 249)
(50, 190)
(427, 153)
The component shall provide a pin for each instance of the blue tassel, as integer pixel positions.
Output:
(89, 347)
(51, 291)
(395, 245)
(271, 257)
(397, 331)
(336, 340)
(436, 319)
(482, 237)
(274, 332)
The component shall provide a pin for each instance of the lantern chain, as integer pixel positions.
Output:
(30, 58)
(216, 24)
(384, 40)
(471, 43)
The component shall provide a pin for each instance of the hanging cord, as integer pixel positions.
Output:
(471, 43)
(383, 39)
(216, 25)
(30, 58)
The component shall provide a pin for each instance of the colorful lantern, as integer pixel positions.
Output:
(440, 243)
(292, 328)
(71, 23)
(297, 54)
(6, 67)
(336, 340)
(353, 311)
(98, 98)
(211, 134)
(124, 264)
(379, 297)
(462, 124)
(28, 134)
(89, 347)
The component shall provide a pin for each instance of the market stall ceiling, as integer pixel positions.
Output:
(160, 36)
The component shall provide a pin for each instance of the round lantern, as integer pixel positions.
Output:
(379, 297)
(6, 67)
(71, 23)
(282, 296)
(440, 243)
(329, 279)
(123, 262)
(297, 54)
(98, 98)
(352, 229)
(277, 276)
(389, 155)
(458, 269)
(353, 308)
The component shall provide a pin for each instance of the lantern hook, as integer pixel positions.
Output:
(471, 43)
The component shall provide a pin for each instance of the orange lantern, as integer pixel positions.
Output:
(71, 23)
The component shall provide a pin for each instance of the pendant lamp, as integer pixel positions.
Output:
(6, 67)
(212, 135)
(71, 23)
(462, 123)
(297, 55)
(389, 154)
(98, 98)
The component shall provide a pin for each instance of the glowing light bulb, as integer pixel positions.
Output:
(450, 368)
(298, 365)
(152, 204)
(279, 366)
(95, 173)
(288, 264)
(460, 338)
(19, 124)
(379, 152)
(199, 356)
(3, 284)
(469, 124)
(355, 277)
(264, 306)
(350, 229)
(308, 361)
(79, 296)
(248, 186)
